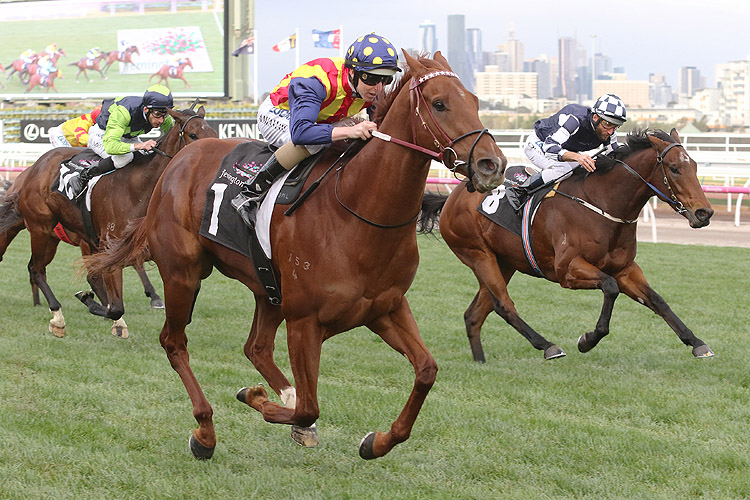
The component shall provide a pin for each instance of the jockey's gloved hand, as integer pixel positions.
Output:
(145, 152)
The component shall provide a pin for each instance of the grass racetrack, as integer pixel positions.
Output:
(90, 416)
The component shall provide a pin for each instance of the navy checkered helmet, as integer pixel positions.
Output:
(609, 107)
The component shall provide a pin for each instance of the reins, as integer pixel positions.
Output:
(415, 98)
(676, 204)
(182, 139)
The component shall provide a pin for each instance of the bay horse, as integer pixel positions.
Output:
(116, 198)
(49, 83)
(24, 70)
(345, 257)
(166, 72)
(84, 64)
(577, 246)
(58, 235)
(125, 57)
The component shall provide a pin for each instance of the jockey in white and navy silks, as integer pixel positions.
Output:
(557, 143)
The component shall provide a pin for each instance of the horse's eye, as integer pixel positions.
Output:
(438, 105)
(194, 137)
(674, 169)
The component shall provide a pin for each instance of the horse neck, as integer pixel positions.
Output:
(388, 176)
(622, 193)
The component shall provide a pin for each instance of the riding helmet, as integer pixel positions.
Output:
(372, 54)
(610, 107)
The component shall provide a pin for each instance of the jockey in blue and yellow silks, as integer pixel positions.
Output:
(313, 106)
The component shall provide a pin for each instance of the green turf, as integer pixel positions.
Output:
(95, 417)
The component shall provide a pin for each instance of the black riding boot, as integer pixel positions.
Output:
(248, 201)
(77, 184)
(516, 195)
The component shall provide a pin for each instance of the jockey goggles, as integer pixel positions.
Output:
(158, 113)
(372, 80)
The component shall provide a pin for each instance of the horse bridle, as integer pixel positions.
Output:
(416, 98)
(676, 204)
(182, 131)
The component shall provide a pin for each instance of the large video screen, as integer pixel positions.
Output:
(95, 49)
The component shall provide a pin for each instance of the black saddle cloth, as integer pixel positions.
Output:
(495, 205)
(221, 222)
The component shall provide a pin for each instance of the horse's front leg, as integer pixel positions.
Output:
(581, 275)
(399, 330)
(38, 276)
(633, 283)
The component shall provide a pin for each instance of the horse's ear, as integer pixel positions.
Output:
(442, 60)
(675, 135)
(657, 143)
(416, 67)
(201, 111)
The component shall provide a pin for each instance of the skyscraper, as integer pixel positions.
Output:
(567, 52)
(457, 48)
(690, 80)
(428, 43)
(474, 56)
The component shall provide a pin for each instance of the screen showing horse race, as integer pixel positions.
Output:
(89, 49)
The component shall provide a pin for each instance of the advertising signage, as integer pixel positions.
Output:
(76, 49)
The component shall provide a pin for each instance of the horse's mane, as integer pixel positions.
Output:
(383, 102)
(636, 141)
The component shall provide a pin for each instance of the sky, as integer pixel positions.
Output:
(643, 37)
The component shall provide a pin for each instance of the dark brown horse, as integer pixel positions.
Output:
(116, 198)
(166, 72)
(125, 57)
(85, 64)
(7, 188)
(577, 246)
(352, 269)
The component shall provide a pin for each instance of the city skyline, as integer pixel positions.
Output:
(664, 38)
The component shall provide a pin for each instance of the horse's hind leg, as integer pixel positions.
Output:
(495, 281)
(474, 318)
(633, 283)
(399, 330)
(148, 288)
(260, 345)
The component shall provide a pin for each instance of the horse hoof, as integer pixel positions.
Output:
(85, 296)
(582, 345)
(57, 331)
(702, 351)
(199, 451)
(157, 304)
(366, 446)
(305, 436)
(554, 352)
(120, 332)
(241, 395)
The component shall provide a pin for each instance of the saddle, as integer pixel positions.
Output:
(69, 169)
(222, 224)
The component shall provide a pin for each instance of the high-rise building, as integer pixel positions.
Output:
(428, 43)
(567, 55)
(514, 48)
(690, 81)
(733, 79)
(474, 59)
(542, 67)
(457, 48)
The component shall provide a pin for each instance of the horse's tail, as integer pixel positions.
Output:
(130, 249)
(10, 216)
(429, 216)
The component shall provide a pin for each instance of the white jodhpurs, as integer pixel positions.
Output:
(273, 123)
(96, 143)
(551, 169)
(57, 138)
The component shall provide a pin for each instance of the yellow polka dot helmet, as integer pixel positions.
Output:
(373, 54)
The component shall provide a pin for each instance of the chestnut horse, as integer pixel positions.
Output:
(8, 188)
(84, 64)
(116, 198)
(125, 57)
(48, 83)
(583, 237)
(166, 72)
(345, 257)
